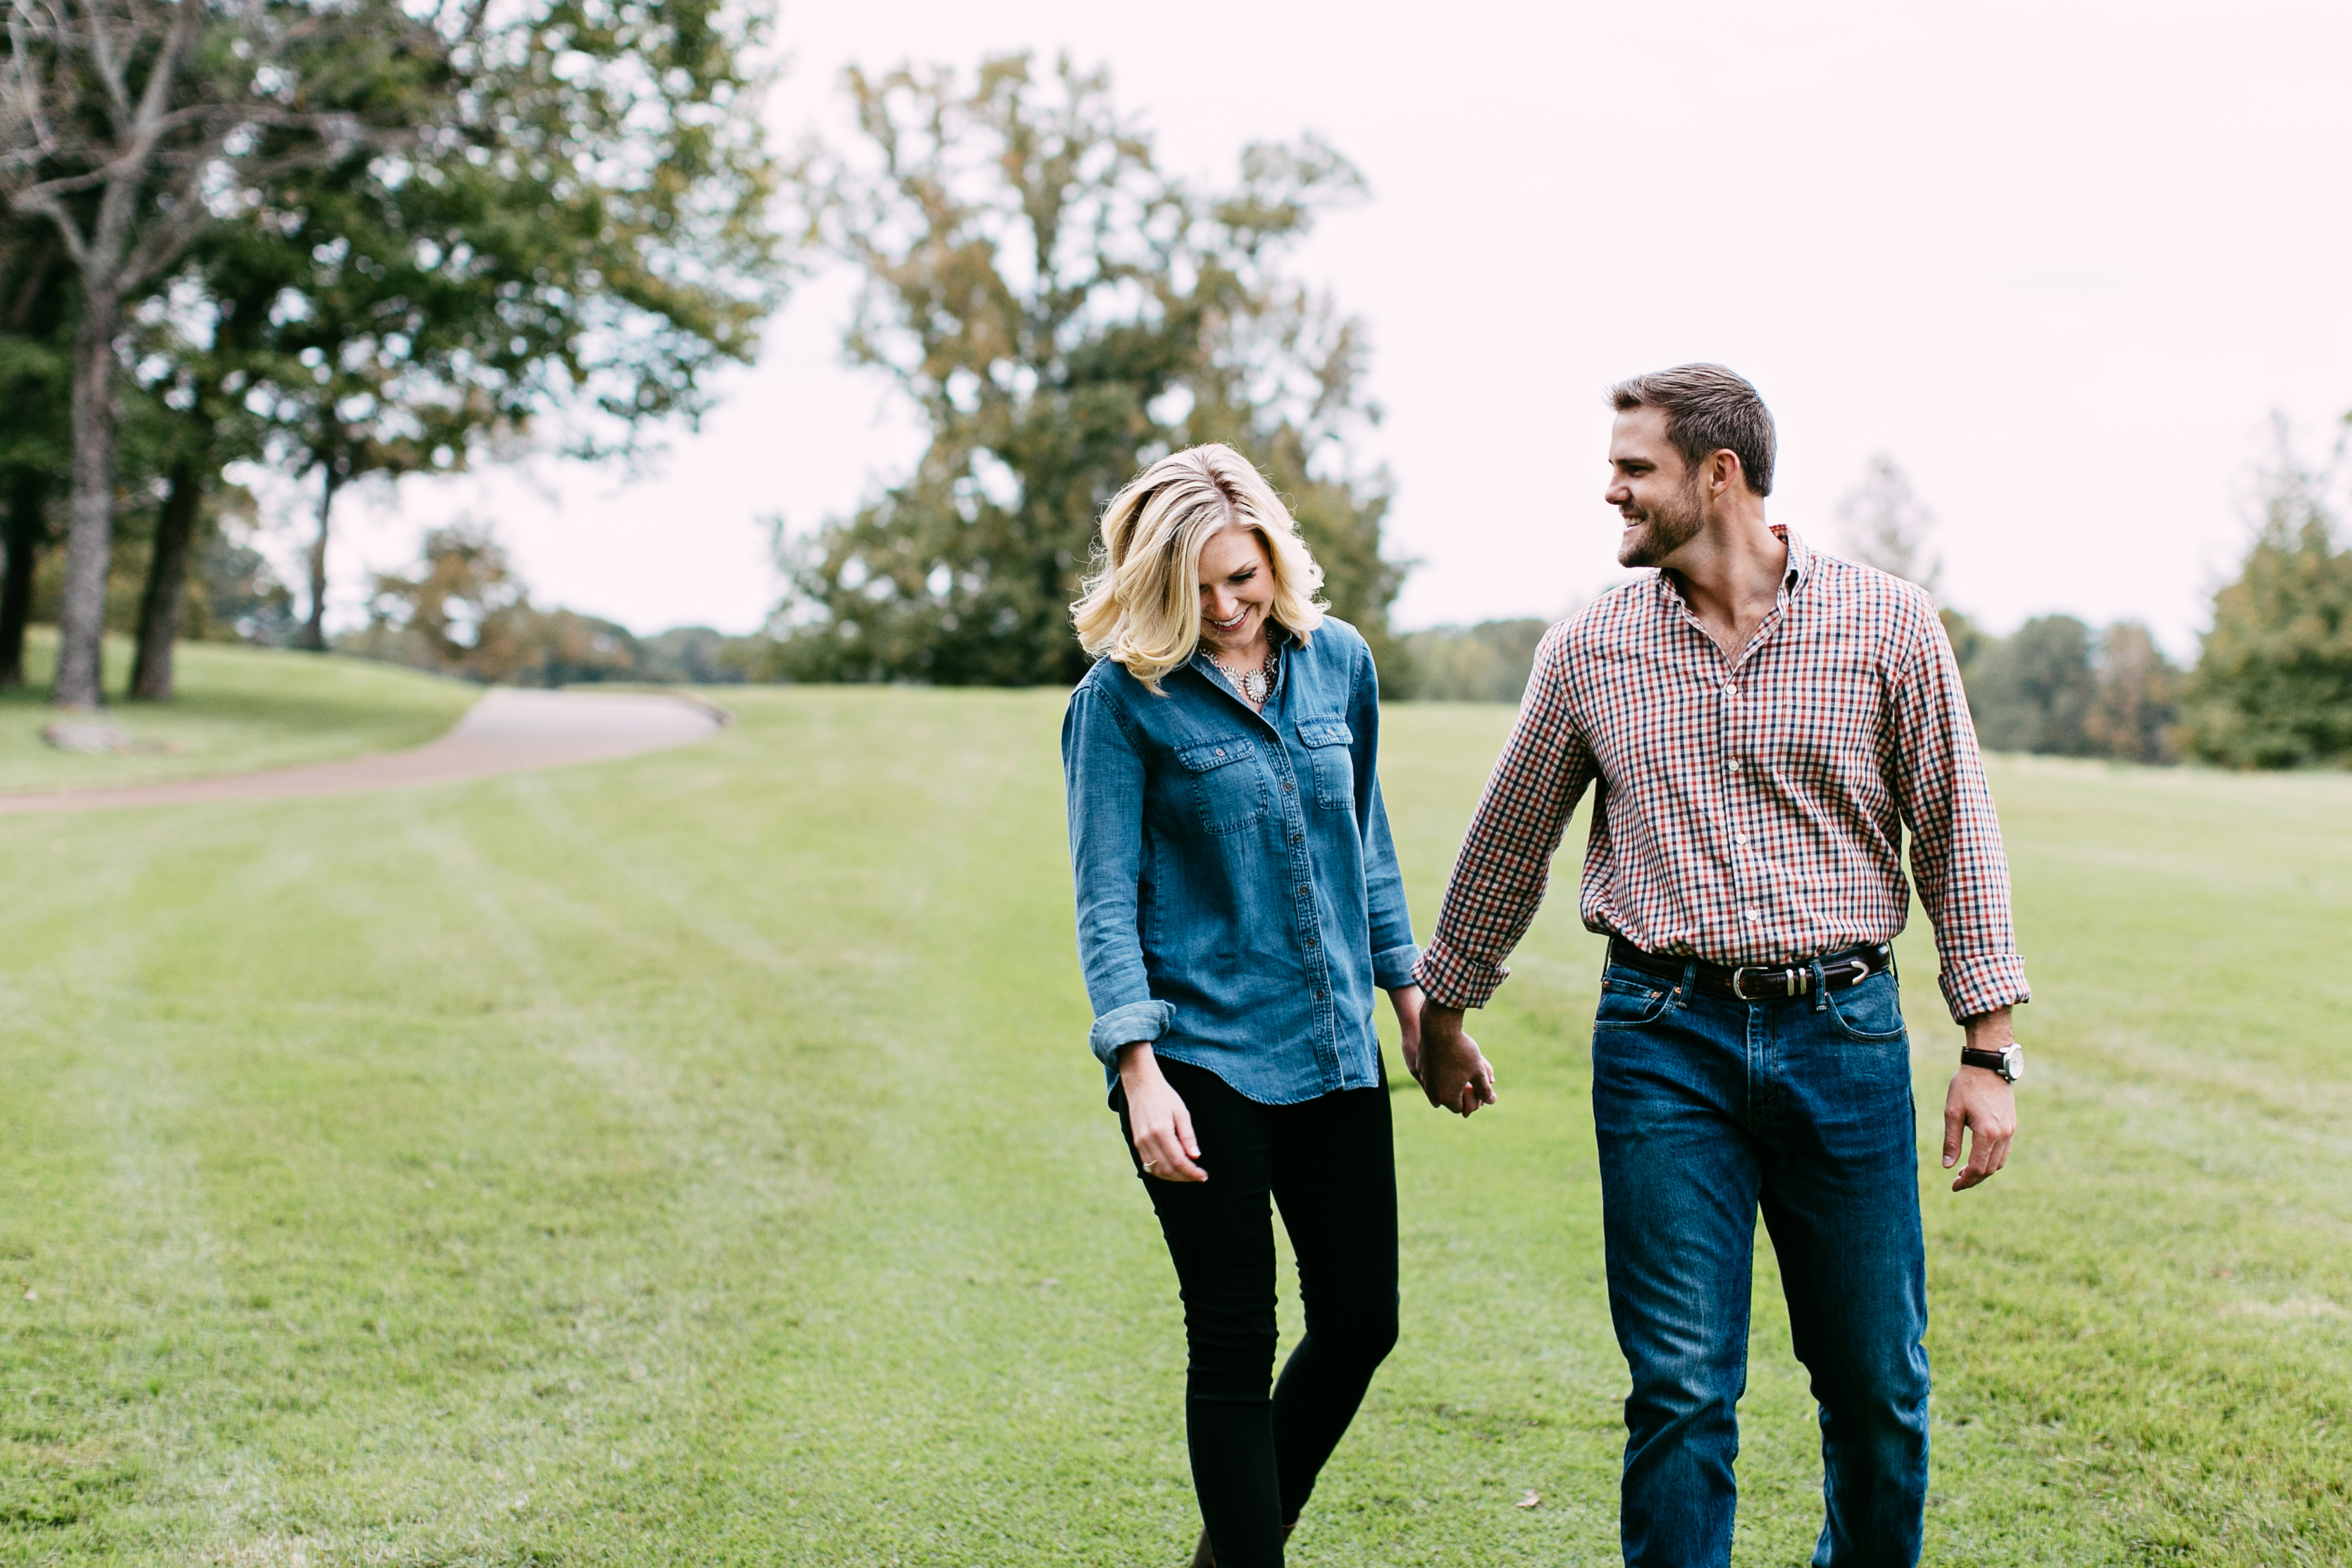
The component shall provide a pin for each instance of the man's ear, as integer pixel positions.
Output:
(1724, 472)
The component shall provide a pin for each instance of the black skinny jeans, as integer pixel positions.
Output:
(1330, 1163)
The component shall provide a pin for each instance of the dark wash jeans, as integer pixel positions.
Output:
(1709, 1108)
(1330, 1162)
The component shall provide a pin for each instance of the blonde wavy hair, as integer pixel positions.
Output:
(1142, 603)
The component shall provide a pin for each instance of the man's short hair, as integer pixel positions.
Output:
(1708, 409)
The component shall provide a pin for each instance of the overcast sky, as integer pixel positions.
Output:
(2059, 261)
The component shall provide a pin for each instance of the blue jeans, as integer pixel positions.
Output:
(1709, 1108)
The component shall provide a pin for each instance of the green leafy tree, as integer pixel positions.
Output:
(2135, 713)
(37, 334)
(2032, 691)
(2273, 686)
(130, 126)
(1063, 313)
(573, 235)
(1488, 662)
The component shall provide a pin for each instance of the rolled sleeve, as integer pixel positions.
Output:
(1975, 987)
(1451, 979)
(1138, 1021)
(1395, 966)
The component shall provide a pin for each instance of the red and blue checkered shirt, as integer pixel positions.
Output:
(1750, 811)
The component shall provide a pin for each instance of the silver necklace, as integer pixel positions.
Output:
(1255, 685)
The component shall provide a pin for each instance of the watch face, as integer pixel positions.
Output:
(2012, 1061)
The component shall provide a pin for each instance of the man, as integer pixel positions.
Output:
(1761, 724)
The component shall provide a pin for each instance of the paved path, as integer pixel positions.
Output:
(506, 732)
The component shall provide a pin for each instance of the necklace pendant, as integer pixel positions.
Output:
(1253, 686)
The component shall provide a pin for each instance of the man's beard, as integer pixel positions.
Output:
(1665, 529)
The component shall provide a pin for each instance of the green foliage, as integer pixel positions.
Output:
(2273, 688)
(449, 1176)
(573, 224)
(1063, 313)
(1488, 662)
(464, 611)
(2056, 688)
(2028, 691)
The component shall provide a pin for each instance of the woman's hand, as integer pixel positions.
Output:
(1155, 1116)
(1406, 1000)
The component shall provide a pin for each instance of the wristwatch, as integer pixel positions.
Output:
(2009, 1061)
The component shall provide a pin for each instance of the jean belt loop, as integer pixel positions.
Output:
(1820, 986)
(1689, 989)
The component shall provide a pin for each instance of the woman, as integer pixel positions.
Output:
(1238, 900)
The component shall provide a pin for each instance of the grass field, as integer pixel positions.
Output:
(696, 1159)
(239, 708)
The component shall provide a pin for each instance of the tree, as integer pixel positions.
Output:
(2135, 713)
(36, 353)
(580, 230)
(2273, 686)
(1886, 526)
(2032, 691)
(130, 125)
(573, 229)
(1063, 313)
(1488, 662)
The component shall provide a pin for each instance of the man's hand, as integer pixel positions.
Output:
(1982, 1102)
(1156, 1117)
(1452, 1073)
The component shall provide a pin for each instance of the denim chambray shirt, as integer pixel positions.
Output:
(1238, 895)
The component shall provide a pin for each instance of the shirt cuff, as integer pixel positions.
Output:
(1125, 1025)
(1394, 967)
(1451, 980)
(1973, 986)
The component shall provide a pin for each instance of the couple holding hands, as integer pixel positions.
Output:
(1761, 725)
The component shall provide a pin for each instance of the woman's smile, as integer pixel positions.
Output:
(1237, 586)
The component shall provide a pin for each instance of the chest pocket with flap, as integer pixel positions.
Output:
(1228, 786)
(1330, 743)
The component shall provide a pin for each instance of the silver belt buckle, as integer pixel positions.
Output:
(1795, 982)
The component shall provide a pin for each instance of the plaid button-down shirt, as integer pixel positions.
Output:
(1751, 811)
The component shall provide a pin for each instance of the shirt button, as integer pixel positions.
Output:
(1310, 939)
(1319, 994)
(1731, 691)
(1221, 750)
(1302, 887)
(1287, 786)
(1740, 838)
(1753, 917)
(1735, 767)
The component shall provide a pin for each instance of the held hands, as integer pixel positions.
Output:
(1982, 1102)
(1155, 1116)
(1446, 1060)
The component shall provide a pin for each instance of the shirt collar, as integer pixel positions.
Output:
(1792, 577)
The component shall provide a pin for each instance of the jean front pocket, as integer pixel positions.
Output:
(1630, 999)
(1227, 786)
(1329, 744)
(1870, 1011)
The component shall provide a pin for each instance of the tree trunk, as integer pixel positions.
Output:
(314, 630)
(27, 530)
(89, 537)
(167, 581)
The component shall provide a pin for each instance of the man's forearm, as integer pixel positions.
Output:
(1990, 1031)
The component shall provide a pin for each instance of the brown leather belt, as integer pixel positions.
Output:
(1851, 966)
